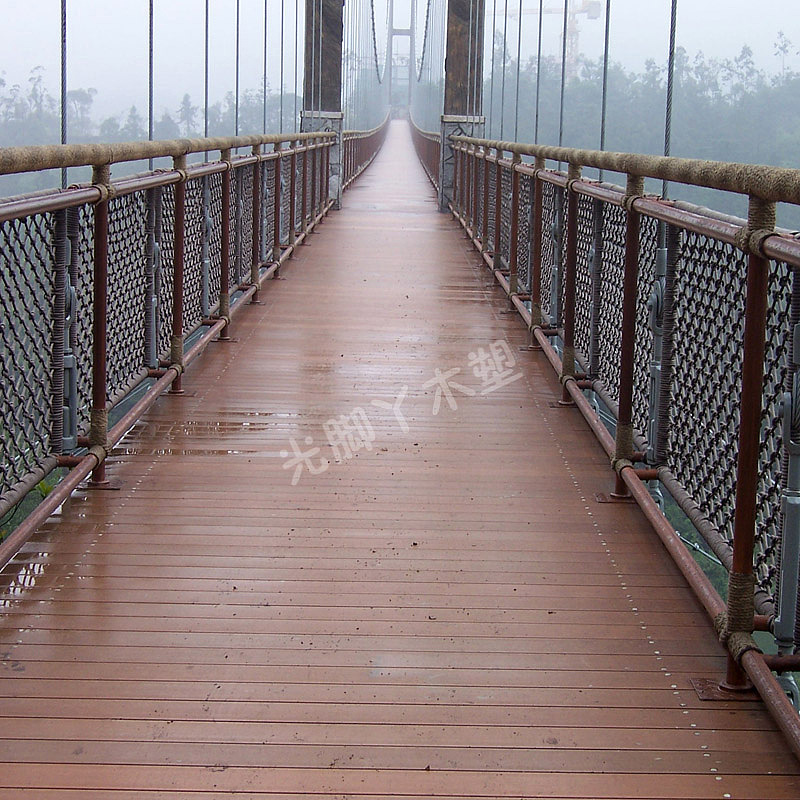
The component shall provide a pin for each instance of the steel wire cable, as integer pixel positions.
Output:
(538, 75)
(604, 99)
(64, 78)
(670, 89)
(519, 57)
(503, 66)
(236, 71)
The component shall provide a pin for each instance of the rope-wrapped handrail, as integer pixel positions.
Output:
(432, 135)
(35, 158)
(771, 184)
(366, 134)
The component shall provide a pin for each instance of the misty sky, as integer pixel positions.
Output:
(108, 40)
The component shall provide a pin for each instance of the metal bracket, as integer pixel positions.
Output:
(711, 690)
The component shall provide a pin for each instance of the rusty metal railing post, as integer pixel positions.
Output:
(485, 208)
(292, 192)
(326, 175)
(737, 632)
(98, 432)
(498, 206)
(536, 250)
(570, 277)
(304, 201)
(255, 259)
(276, 207)
(468, 208)
(176, 342)
(314, 178)
(513, 237)
(623, 453)
(475, 171)
(225, 249)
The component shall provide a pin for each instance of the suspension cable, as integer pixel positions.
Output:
(491, 78)
(538, 75)
(670, 89)
(503, 81)
(64, 84)
(264, 82)
(519, 59)
(296, 29)
(280, 124)
(563, 78)
(205, 77)
(236, 72)
(604, 101)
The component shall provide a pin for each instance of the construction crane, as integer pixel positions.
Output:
(593, 9)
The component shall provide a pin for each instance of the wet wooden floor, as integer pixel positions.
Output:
(436, 608)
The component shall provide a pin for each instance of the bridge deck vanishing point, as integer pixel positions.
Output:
(444, 611)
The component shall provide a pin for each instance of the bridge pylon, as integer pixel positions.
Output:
(322, 83)
(463, 85)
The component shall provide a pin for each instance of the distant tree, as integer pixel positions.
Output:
(79, 114)
(166, 127)
(134, 127)
(109, 130)
(782, 46)
(187, 116)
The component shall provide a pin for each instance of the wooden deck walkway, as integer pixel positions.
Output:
(444, 611)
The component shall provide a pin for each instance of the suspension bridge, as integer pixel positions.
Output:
(380, 452)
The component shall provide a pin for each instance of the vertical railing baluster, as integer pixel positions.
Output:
(476, 164)
(537, 227)
(255, 260)
(497, 262)
(98, 432)
(623, 454)
(314, 157)
(176, 346)
(292, 190)
(738, 629)
(304, 201)
(513, 243)
(570, 281)
(276, 208)
(485, 216)
(225, 249)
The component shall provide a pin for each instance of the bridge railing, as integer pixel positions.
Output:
(108, 285)
(359, 150)
(681, 326)
(428, 145)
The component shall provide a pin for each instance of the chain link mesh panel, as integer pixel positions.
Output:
(194, 279)
(269, 206)
(82, 277)
(165, 274)
(505, 216)
(524, 233)
(27, 258)
(214, 240)
(549, 235)
(583, 276)
(127, 218)
(286, 199)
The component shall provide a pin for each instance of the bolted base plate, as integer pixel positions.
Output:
(710, 689)
(108, 485)
(602, 497)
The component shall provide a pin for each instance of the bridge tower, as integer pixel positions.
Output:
(463, 85)
(322, 82)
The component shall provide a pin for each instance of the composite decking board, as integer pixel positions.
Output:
(445, 613)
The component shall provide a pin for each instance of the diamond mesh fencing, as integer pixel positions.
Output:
(195, 275)
(27, 258)
(524, 233)
(505, 216)
(127, 218)
(214, 237)
(268, 210)
(550, 247)
(286, 177)
(583, 276)
(82, 280)
(490, 208)
(165, 273)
